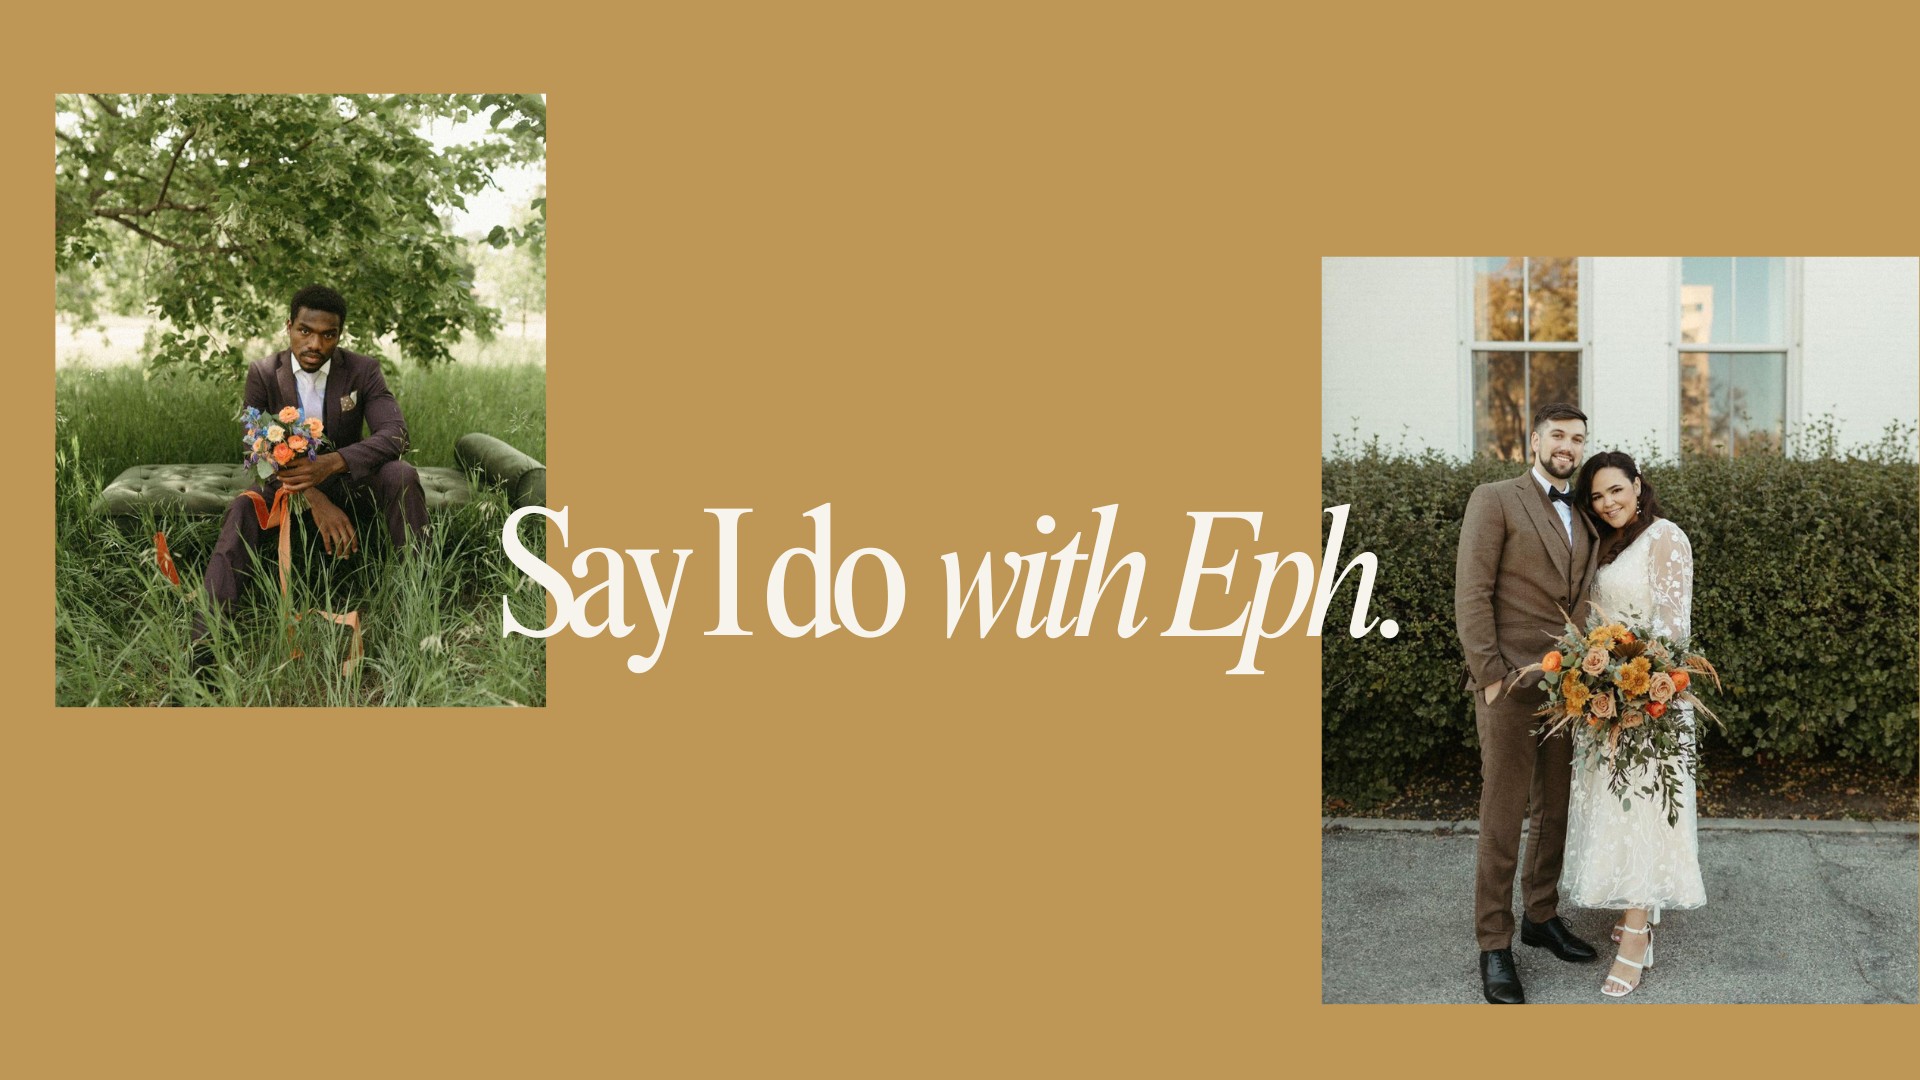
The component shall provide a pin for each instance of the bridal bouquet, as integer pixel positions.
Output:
(1621, 690)
(275, 439)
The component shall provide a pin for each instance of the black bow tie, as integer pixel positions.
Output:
(1560, 496)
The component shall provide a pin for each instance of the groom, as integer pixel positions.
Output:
(1526, 556)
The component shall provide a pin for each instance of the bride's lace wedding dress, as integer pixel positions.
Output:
(1632, 858)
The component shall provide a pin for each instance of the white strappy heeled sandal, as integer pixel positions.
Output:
(1617, 927)
(1642, 965)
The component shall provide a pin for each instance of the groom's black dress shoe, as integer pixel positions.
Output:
(1554, 935)
(1499, 979)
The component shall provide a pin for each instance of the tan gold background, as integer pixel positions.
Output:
(948, 272)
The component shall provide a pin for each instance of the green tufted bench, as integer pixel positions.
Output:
(207, 489)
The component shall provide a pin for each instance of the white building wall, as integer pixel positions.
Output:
(1630, 378)
(1389, 351)
(1392, 359)
(1860, 356)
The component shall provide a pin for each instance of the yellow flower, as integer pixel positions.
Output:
(1605, 636)
(1632, 676)
(1574, 691)
(276, 433)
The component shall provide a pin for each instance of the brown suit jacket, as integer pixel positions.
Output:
(1514, 577)
(362, 418)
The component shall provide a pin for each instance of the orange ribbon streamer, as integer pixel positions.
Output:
(280, 515)
(165, 558)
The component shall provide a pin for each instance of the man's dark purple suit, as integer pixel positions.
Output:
(366, 428)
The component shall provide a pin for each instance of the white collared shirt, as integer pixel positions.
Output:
(313, 387)
(1565, 510)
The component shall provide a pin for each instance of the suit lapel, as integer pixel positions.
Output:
(1547, 520)
(283, 375)
(338, 378)
(1585, 541)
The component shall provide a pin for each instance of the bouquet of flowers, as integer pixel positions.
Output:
(1621, 690)
(274, 440)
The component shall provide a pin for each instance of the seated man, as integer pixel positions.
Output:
(363, 422)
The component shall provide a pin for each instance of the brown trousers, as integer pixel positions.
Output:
(1518, 770)
(393, 491)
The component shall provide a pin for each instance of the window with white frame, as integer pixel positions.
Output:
(1525, 350)
(1734, 342)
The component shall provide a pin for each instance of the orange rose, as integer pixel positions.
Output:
(289, 414)
(298, 443)
(282, 454)
(1626, 637)
(1656, 709)
(1680, 680)
(259, 446)
(315, 426)
(1550, 663)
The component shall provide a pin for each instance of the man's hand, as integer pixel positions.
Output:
(302, 475)
(335, 527)
(1493, 691)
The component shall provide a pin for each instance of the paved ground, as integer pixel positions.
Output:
(1796, 912)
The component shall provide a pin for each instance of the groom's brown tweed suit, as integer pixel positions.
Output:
(1515, 575)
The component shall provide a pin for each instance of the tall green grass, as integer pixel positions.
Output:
(432, 620)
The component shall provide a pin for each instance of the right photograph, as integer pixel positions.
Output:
(1650, 528)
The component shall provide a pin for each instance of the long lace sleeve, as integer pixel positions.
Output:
(1670, 581)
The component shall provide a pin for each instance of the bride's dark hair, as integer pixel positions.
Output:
(1649, 507)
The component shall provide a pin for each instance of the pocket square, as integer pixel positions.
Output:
(347, 403)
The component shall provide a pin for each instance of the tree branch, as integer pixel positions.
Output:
(149, 211)
(164, 241)
(111, 109)
(161, 198)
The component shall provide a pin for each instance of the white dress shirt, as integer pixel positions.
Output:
(313, 388)
(1564, 509)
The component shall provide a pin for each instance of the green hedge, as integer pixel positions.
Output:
(1805, 573)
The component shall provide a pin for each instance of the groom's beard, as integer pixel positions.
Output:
(1546, 466)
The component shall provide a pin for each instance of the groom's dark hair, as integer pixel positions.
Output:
(1558, 410)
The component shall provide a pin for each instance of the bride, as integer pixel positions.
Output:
(1632, 860)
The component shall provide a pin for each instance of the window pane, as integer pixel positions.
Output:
(1757, 400)
(1553, 298)
(1499, 405)
(1552, 377)
(1706, 301)
(1760, 301)
(1507, 389)
(1497, 298)
(1731, 403)
(1725, 301)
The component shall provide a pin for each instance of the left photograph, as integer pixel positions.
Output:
(299, 385)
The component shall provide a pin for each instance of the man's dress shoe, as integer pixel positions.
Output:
(1554, 935)
(1499, 979)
